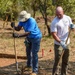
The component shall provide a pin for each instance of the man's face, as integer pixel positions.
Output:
(59, 14)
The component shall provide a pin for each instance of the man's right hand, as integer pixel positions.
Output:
(64, 46)
(12, 24)
(15, 35)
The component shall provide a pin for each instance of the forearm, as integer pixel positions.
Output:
(24, 34)
(64, 46)
(17, 28)
(56, 37)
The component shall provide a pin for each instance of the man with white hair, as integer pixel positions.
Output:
(60, 30)
(33, 39)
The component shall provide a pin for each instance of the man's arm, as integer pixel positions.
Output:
(17, 28)
(54, 34)
(24, 34)
(15, 35)
(64, 46)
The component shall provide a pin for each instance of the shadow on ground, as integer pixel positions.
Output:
(45, 68)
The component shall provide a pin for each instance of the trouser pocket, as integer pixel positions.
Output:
(26, 42)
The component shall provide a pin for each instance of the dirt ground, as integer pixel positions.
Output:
(46, 60)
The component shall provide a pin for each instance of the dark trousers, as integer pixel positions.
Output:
(32, 53)
(57, 51)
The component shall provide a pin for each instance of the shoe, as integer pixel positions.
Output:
(33, 73)
(27, 68)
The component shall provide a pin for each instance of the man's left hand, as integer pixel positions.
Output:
(12, 24)
(15, 35)
(72, 26)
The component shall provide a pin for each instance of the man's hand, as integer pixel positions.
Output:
(12, 24)
(64, 46)
(15, 35)
(72, 26)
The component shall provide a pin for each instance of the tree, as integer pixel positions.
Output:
(7, 7)
(68, 6)
(34, 6)
(54, 2)
(43, 7)
(4, 5)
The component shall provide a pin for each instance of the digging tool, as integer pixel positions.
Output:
(15, 52)
(12, 20)
(61, 55)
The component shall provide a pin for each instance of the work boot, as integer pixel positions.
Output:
(55, 73)
(27, 68)
(33, 73)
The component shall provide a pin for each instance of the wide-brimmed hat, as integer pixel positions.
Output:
(24, 16)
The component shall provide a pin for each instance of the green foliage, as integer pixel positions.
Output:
(4, 4)
(68, 6)
(45, 6)
(7, 7)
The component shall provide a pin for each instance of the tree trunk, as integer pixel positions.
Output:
(48, 28)
(34, 12)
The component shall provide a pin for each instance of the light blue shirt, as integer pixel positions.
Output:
(31, 26)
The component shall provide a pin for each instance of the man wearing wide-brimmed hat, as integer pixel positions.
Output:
(33, 38)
